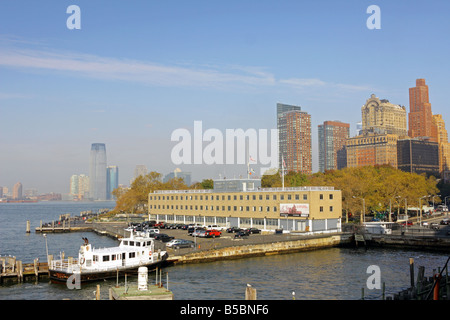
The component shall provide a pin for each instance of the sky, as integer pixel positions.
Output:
(138, 70)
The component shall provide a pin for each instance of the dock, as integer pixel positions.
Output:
(13, 270)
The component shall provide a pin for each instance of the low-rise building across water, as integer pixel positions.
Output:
(301, 209)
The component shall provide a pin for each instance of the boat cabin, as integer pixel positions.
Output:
(130, 252)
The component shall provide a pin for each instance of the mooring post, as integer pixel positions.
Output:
(97, 293)
(28, 226)
(437, 279)
(411, 271)
(250, 293)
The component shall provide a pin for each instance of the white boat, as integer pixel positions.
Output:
(96, 264)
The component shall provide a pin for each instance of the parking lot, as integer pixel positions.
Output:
(225, 240)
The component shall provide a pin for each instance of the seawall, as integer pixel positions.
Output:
(263, 249)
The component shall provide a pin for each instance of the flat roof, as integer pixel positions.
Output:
(289, 189)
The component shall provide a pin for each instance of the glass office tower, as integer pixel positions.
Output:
(97, 172)
(112, 181)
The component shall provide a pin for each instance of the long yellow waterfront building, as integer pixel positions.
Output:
(243, 203)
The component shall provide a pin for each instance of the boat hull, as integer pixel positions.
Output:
(58, 276)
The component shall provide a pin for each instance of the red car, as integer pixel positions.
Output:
(212, 233)
(409, 223)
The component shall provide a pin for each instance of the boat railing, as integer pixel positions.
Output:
(69, 265)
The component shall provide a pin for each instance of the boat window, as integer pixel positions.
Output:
(125, 242)
(105, 258)
(132, 254)
(131, 243)
(149, 243)
(138, 244)
(95, 258)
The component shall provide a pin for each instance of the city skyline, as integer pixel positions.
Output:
(133, 74)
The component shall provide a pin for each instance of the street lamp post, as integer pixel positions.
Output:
(46, 246)
(420, 208)
(445, 200)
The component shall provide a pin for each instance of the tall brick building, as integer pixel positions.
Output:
(420, 116)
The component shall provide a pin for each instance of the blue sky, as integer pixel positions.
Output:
(138, 70)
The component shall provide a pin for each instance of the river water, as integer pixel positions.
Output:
(327, 274)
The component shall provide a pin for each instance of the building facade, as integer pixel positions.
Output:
(112, 181)
(294, 139)
(332, 139)
(444, 146)
(177, 173)
(420, 115)
(372, 150)
(303, 209)
(17, 191)
(383, 117)
(97, 172)
(418, 156)
(79, 186)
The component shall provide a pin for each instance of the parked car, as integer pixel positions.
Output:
(409, 223)
(253, 230)
(159, 225)
(212, 233)
(241, 234)
(199, 233)
(191, 230)
(180, 243)
(163, 237)
(233, 229)
(445, 221)
(434, 226)
(214, 227)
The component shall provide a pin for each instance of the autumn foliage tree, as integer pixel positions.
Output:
(135, 198)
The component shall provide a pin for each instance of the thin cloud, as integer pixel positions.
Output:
(129, 70)
(148, 73)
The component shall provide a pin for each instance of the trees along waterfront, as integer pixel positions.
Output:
(135, 199)
(381, 187)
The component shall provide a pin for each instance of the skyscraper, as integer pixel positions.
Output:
(332, 139)
(97, 172)
(420, 115)
(112, 180)
(383, 117)
(17, 191)
(140, 170)
(294, 139)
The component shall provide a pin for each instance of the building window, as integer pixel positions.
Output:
(321, 209)
(331, 208)
(305, 197)
(331, 196)
(289, 197)
(297, 197)
(321, 197)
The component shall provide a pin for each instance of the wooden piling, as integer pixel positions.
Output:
(97, 293)
(250, 293)
(411, 271)
(28, 227)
